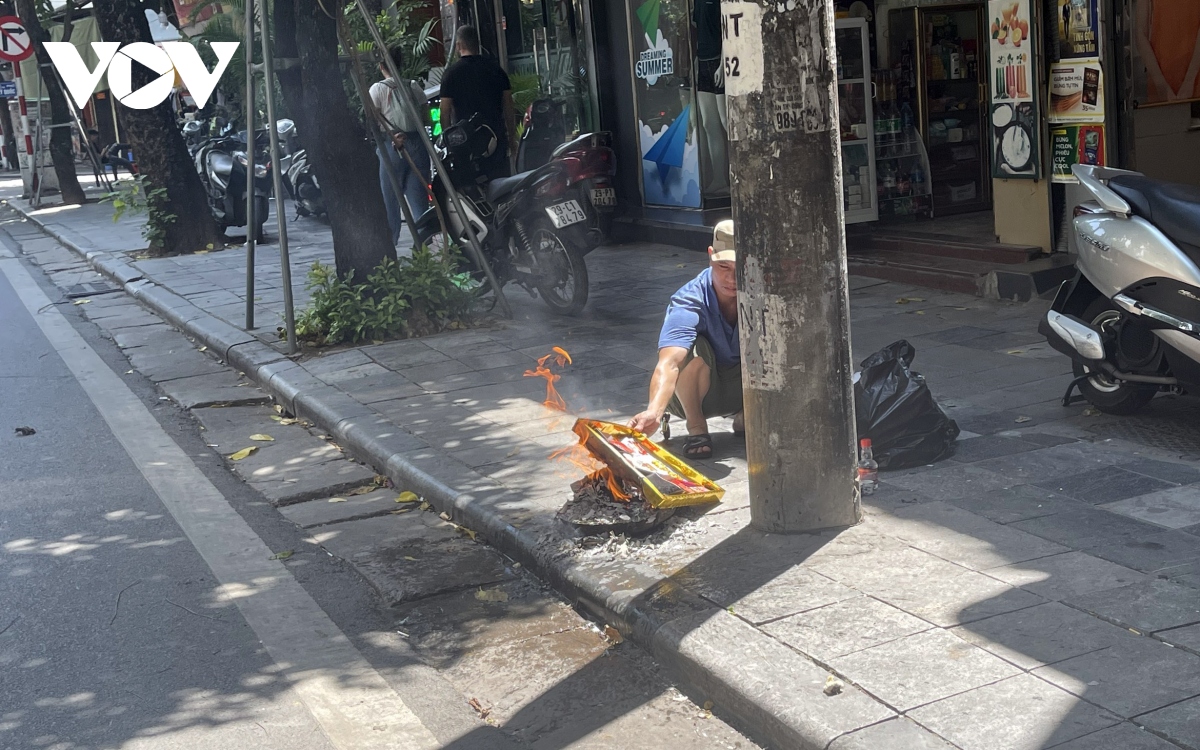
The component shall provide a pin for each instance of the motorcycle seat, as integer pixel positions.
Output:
(219, 163)
(497, 189)
(1173, 208)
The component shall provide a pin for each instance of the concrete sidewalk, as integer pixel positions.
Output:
(1038, 590)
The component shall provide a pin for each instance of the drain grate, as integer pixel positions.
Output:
(1169, 424)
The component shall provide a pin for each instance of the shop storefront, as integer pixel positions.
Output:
(956, 116)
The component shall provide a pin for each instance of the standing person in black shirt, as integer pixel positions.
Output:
(477, 85)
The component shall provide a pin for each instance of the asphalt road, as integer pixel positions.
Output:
(115, 631)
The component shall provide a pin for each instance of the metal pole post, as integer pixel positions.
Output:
(27, 137)
(248, 110)
(289, 310)
(472, 240)
(793, 297)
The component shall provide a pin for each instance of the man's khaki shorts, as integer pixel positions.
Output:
(724, 397)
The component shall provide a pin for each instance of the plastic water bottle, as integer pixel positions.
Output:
(868, 470)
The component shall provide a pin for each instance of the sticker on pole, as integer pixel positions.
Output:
(15, 44)
(741, 34)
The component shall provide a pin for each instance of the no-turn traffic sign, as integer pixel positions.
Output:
(15, 44)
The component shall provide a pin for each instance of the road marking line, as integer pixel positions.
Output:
(354, 705)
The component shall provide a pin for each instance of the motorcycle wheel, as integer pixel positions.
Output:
(1106, 394)
(563, 284)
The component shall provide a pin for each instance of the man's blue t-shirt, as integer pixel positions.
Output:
(693, 311)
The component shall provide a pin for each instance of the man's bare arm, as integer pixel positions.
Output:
(662, 387)
(447, 112)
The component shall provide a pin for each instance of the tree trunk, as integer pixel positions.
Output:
(335, 139)
(61, 150)
(158, 145)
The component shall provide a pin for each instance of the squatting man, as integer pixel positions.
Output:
(699, 373)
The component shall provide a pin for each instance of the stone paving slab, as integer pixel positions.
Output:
(226, 387)
(925, 586)
(413, 555)
(1066, 575)
(1041, 635)
(1020, 713)
(1173, 508)
(1132, 677)
(1180, 722)
(1149, 606)
(969, 540)
(893, 733)
(922, 668)
(845, 627)
(1121, 737)
(344, 507)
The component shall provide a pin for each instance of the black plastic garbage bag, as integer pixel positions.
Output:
(896, 410)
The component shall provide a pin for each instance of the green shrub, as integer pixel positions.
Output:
(414, 296)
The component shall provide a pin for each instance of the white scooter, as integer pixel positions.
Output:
(1130, 319)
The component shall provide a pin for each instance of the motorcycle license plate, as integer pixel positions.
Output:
(604, 197)
(566, 214)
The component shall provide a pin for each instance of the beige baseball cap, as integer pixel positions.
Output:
(722, 247)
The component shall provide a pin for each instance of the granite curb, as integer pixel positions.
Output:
(772, 693)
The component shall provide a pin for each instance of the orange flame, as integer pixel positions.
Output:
(561, 359)
(578, 455)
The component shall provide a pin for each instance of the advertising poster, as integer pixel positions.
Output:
(1075, 144)
(662, 65)
(1166, 53)
(1013, 110)
(1078, 23)
(1076, 91)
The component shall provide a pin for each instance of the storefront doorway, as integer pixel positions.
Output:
(548, 54)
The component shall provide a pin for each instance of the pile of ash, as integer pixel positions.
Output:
(593, 509)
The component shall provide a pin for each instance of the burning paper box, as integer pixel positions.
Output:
(638, 464)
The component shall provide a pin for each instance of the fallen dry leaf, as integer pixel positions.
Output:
(243, 453)
(281, 555)
(260, 437)
(202, 349)
(407, 497)
(81, 302)
(410, 558)
(278, 409)
(401, 511)
(1015, 351)
(425, 505)
(1021, 420)
(365, 489)
(337, 499)
(467, 532)
(479, 709)
(919, 312)
(612, 634)
(512, 452)
(1091, 411)
(906, 300)
(26, 431)
(833, 685)
(382, 481)
(708, 705)
(494, 595)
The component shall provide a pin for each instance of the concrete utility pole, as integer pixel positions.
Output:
(793, 299)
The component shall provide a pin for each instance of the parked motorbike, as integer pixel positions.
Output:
(222, 162)
(1130, 319)
(536, 226)
(298, 178)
